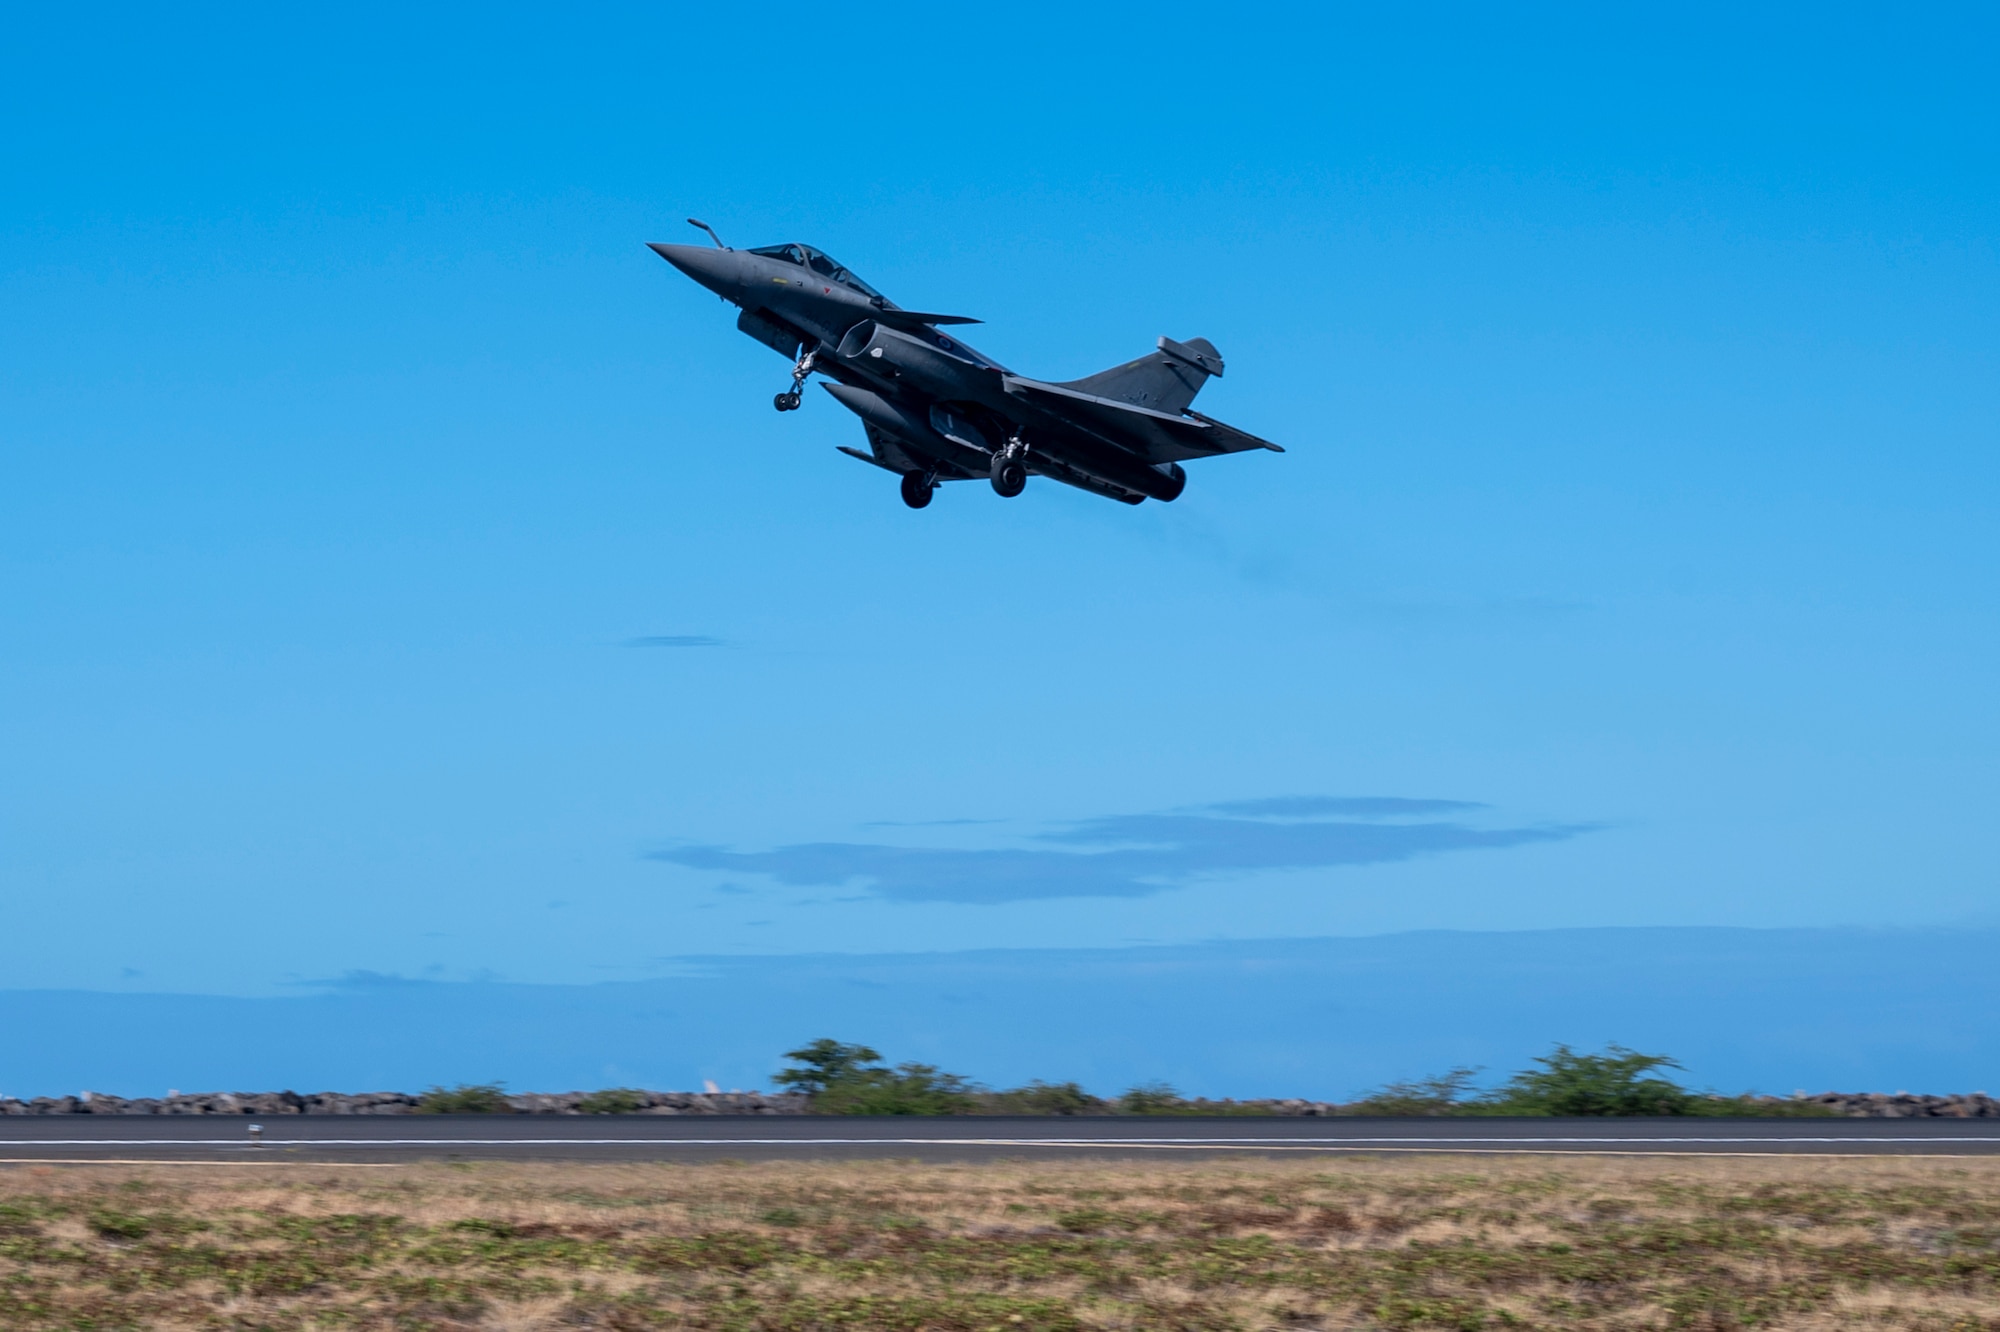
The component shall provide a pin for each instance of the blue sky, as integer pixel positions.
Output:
(402, 571)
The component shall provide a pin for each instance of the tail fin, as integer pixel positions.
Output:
(1165, 381)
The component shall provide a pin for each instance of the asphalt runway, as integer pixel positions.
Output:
(389, 1139)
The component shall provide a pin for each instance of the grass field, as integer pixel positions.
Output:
(1350, 1243)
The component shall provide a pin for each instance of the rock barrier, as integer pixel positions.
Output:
(1853, 1105)
(1903, 1105)
(270, 1104)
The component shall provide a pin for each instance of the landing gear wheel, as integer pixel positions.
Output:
(789, 402)
(917, 489)
(1010, 478)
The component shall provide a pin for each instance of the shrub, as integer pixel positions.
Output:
(1612, 1083)
(1440, 1095)
(907, 1089)
(1151, 1098)
(1043, 1098)
(465, 1099)
(613, 1101)
(850, 1080)
(1568, 1083)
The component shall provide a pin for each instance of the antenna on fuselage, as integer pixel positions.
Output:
(697, 222)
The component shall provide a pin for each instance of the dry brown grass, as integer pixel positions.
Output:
(1187, 1246)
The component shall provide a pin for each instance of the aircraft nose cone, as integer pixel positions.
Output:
(713, 268)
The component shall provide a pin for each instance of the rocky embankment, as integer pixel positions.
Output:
(1855, 1105)
(1902, 1105)
(265, 1104)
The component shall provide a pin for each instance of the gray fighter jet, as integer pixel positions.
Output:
(935, 410)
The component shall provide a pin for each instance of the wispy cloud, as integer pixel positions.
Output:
(1136, 855)
(674, 641)
(1307, 806)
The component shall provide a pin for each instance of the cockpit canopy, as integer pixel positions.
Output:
(807, 257)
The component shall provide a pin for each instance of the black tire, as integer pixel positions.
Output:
(1010, 478)
(786, 402)
(917, 489)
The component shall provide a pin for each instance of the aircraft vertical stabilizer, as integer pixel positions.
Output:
(1165, 381)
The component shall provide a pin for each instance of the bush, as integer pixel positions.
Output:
(850, 1080)
(907, 1089)
(1043, 1098)
(613, 1101)
(1152, 1098)
(1567, 1083)
(1612, 1083)
(1440, 1095)
(484, 1098)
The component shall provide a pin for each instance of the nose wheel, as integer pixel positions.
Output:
(918, 489)
(789, 401)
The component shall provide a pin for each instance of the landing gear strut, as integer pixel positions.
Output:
(1010, 468)
(789, 401)
(918, 488)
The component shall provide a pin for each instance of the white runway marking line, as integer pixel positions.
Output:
(1289, 1143)
(1525, 1147)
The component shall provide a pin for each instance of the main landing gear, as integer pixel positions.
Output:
(918, 487)
(789, 401)
(1010, 468)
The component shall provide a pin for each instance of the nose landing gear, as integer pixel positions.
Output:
(789, 401)
(918, 487)
(1010, 468)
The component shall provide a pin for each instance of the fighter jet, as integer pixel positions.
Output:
(935, 410)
